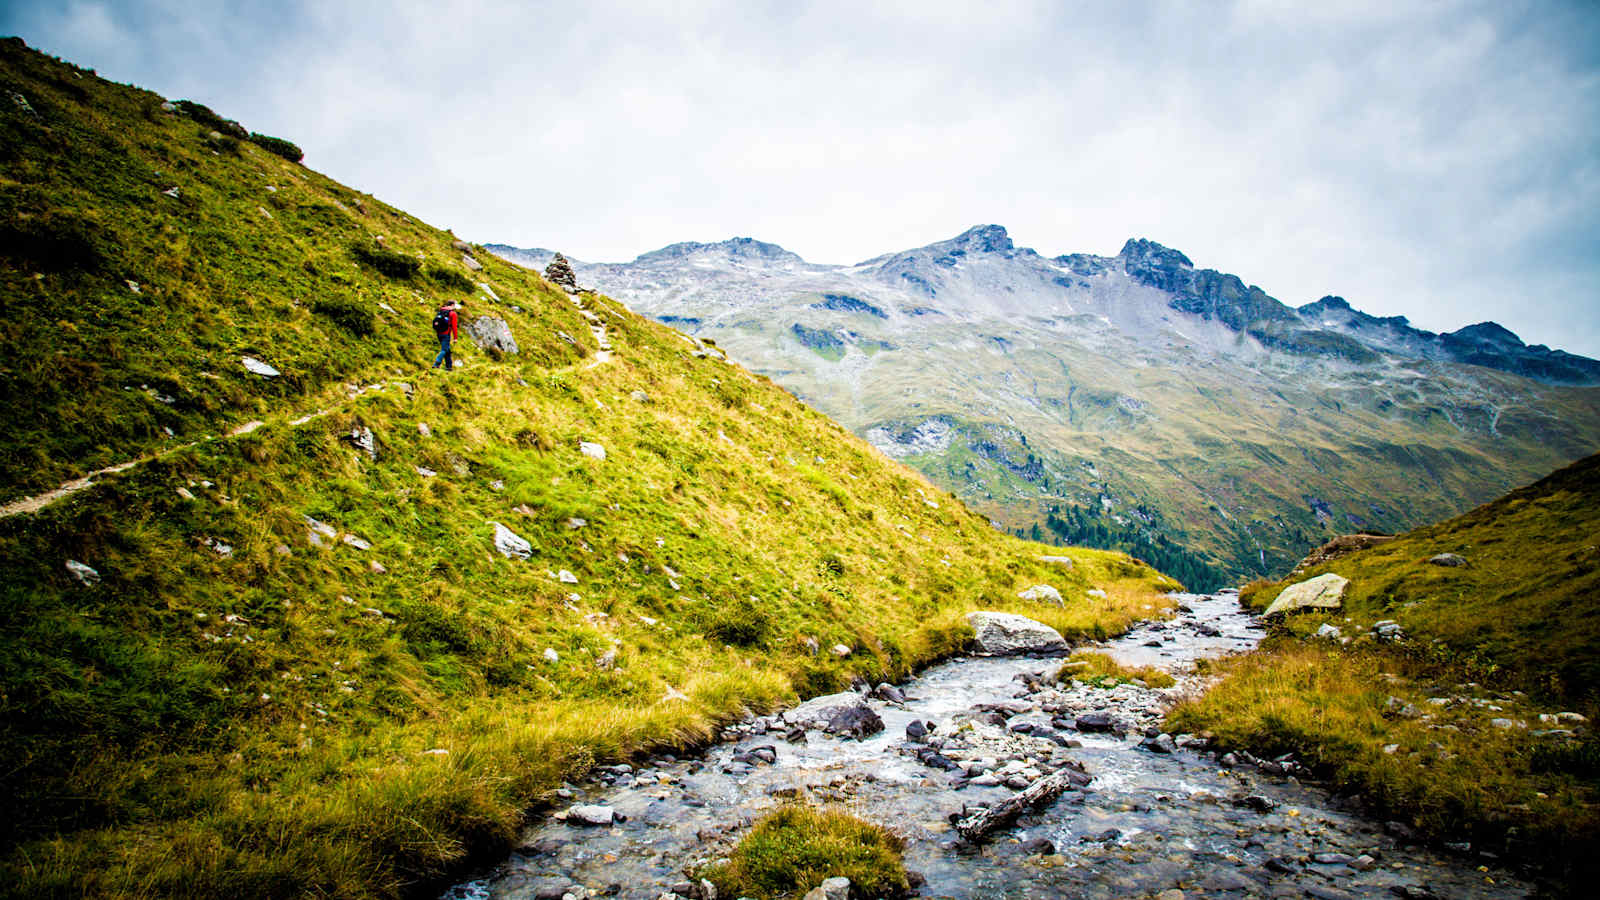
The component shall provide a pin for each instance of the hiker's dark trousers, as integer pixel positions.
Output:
(444, 353)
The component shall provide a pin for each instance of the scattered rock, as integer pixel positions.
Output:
(839, 650)
(818, 711)
(590, 815)
(836, 888)
(1041, 592)
(1322, 592)
(1038, 847)
(362, 439)
(591, 450)
(1063, 561)
(471, 263)
(1161, 743)
(1451, 560)
(566, 577)
(351, 540)
(84, 573)
(1003, 634)
(510, 544)
(1329, 632)
(256, 366)
(492, 335)
(551, 656)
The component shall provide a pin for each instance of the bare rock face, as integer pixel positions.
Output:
(1322, 592)
(492, 335)
(1006, 634)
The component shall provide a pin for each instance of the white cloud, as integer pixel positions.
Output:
(1432, 159)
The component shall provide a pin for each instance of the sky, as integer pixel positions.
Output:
(1438, 160)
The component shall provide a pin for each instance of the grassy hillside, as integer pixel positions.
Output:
(302, 667)
(1459, 726)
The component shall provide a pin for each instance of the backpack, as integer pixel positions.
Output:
(441, 321)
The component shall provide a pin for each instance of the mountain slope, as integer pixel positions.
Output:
(1473, 720)
(1133, 401)
(340, 651)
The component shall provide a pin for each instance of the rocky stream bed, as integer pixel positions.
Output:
(1139, 815)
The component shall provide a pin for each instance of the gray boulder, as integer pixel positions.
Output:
(856, 722)
(1322, 592)
(1451, 560)
(819, 711)
(492, 335)
(1005, 634)
(1041, 592)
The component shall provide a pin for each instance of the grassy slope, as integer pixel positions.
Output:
(258, 723)
(1514, 634)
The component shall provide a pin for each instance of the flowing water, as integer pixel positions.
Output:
(1147, 822)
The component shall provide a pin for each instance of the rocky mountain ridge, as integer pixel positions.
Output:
(1135, 400)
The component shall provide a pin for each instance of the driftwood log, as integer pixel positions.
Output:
(979, 825)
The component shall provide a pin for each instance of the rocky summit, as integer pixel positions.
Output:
(1135, 401)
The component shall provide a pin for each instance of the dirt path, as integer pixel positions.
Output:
(29, 505)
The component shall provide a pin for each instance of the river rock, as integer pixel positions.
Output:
(854, 721)
(889, 693)
(1004, 634)
(1322, 592)
(590, 815)
(1041, 592)
(492, 335)
(510, 544)
(1095, 723)
(1451, 560)
(818, 711)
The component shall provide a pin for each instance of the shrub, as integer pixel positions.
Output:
(347, 314)
(206, 116)
(286, 149)
(448, 279)
(796, 848)
(387, 262)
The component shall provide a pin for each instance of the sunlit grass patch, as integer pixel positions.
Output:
(796, 848)
(1099, 669)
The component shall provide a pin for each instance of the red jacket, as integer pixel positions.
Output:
(452, 331)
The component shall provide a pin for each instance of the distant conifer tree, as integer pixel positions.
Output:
(560, 274)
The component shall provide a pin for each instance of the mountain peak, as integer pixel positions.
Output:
(984, 239)
(1149, 254)
(743, 248)
(1490, 333)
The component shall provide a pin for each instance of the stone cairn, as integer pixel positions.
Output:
(560, 274)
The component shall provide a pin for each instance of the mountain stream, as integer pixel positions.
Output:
(1157, 818)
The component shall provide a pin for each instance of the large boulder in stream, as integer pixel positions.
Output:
(1007, 634)
(1322, 592)
(845, 713)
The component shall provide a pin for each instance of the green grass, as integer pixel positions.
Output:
(1513, 635)
(1100, 670)
(796, 848)
(259, 723)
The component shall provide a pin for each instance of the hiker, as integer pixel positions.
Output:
(444, 325)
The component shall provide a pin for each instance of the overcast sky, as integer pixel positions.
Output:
(1439, 160)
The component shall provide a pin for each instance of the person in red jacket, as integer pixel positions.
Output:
(444, 325)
